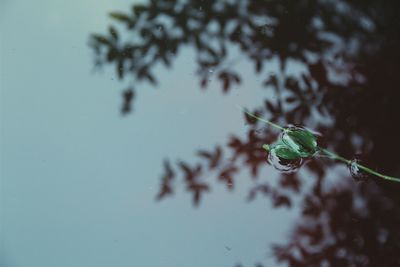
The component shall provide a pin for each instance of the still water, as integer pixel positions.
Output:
(124, 140)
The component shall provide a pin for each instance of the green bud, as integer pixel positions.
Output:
(284, 151)
(300, 140)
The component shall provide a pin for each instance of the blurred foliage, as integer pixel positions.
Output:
(348, 91)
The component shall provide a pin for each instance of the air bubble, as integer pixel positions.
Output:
(284, 165)
(356, 172)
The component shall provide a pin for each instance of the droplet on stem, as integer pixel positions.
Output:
(283, 165)
(356, 172)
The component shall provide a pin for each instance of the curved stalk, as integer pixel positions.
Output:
(362, 167)
(327, 152)
(261, 119)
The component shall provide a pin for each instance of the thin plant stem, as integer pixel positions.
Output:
(332, 155)
(362, 167)
(327, 152)
(263, 120)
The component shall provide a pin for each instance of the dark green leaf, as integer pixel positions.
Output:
(283, 151)
(300, 140)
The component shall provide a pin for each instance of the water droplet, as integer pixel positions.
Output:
(284, 165)
(356, 172)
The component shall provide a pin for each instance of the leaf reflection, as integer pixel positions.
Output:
(348, 91)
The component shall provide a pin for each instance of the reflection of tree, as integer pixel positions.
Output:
(348, 91)
(345, 227)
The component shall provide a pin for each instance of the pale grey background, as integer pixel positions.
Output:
(78, 180)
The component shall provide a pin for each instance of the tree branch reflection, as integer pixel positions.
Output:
(348, 91)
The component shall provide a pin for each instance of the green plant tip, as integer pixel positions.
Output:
(284, 151)
(266, 147)
(297, 142)
(300, 140)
